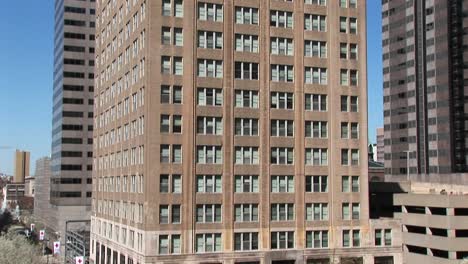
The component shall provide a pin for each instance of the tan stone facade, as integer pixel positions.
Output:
(231, 131)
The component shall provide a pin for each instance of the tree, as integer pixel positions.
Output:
(16, 249)
(5, 221)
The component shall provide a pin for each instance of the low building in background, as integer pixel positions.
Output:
(372, 152)
(12, 193)
(433, 218)
(376, 171)
(29, 185)
(434, 222)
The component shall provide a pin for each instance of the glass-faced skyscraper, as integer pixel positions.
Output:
(231, 131)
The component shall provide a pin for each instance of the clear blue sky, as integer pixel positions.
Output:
(26, 72)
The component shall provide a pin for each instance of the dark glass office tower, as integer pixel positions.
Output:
(424, 92)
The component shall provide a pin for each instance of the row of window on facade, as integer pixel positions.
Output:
(208, 125)
(172, 183)
(250, 16)
(250, 43)
(251, 99)
(249, 241)
(244, 213)
(251, 155)
(250, 71)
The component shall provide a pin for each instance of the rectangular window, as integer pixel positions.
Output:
(352, 25)
(344, 130)
(246, 43)
(316, 102)
(166, 8)
(282, 46)
(345, 157)
(165, 153)
(356, 238)
(246, 212)
(281, 19)
(210, 96)
(317, 212)
(343, 25)
(282, 212)
(282, 156)
(170, 183)
(208, 243)
(171, 94)
(169, 210)
(208, 213)
(353, 103)
(345, 184)
(246, 155)
(166, 36)
(210, 40)
(247, 99)
(316, 184)
(316, 156)
(280, 100)
(354, 157)
(245, 241)
(172, 36)
(316, 129)
(246, 70)
(355, 211)
(353, 51)
(209, 125)
(282, 240)
(315, 22)
(345, 211)
(246, 15)
(282, 128)
(315, 75)
(176, 154)
(210, 68)
(383, 237)
(209, 184)
(246, 127)
(172, 65)
(178, 37)
(282, 73)
(316, 49)
(317, 239)
(210, 12)
(346, 238)
(343, 51)
(282, 184)
(355, 183)
(209, 155)
(246, 184)
(169, 244)
(316, 2)
(178, 8)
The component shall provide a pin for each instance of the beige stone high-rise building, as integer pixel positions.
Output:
(22, 159)
(232, 131)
